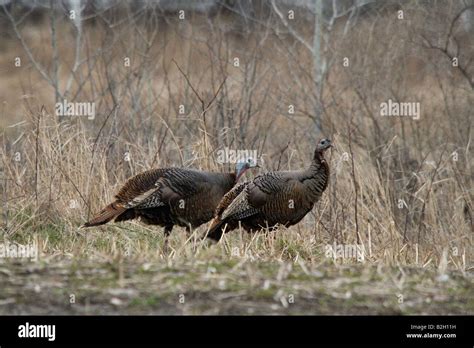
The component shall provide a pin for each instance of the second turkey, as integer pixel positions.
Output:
(279, 197)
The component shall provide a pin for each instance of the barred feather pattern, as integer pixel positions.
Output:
(169, 196)
(229, 197)
(239, 207)
(273, 198)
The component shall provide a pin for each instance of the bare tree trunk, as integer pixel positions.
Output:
(319, 61)
(54, 46)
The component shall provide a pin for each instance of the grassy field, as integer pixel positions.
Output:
(173, 93)
(261, 274)
(230, 286)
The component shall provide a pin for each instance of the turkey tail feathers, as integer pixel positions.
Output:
(110, 212)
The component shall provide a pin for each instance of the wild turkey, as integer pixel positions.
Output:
(273, 198)
(171, 196)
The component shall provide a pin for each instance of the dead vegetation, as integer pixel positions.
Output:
(401, 187)
(234, 286)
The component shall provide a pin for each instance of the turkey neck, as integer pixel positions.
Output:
(318, 175)
(318, 163)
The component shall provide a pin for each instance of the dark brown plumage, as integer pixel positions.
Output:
(170, 196)
(273, 198)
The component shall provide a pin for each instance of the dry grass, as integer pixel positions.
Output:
(70, 168)
(231, 286)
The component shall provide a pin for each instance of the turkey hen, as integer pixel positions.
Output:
(281, 197)
(171, 196)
